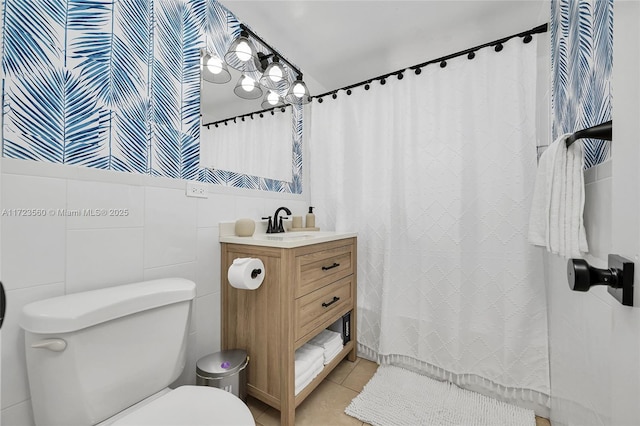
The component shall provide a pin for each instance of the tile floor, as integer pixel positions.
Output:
(325, 406)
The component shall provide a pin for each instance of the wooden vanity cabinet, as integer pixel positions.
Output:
(305, 290)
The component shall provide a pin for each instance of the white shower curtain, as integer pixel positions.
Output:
(259, 146)
(436, 172)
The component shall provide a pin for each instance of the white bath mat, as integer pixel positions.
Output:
(395, 396)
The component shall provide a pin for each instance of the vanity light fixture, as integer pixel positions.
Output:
(242, 54)
(275, 76)
(247, 88)
(272, 100)
(298, 93)
(214, 69)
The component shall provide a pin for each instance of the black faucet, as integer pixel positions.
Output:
(277, 224)
(270, 227)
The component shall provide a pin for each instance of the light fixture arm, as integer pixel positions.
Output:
(274, 52)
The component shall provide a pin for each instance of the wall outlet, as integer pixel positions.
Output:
(197, 190)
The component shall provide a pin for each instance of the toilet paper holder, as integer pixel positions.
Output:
(618, 277)
(246, 273)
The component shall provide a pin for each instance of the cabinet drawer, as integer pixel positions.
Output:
(318, 307)
(316, 270)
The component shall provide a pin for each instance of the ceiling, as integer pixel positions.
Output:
(338, 43)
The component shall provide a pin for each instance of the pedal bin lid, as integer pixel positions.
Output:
(222, 364)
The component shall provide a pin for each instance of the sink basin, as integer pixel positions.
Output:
(293, 236)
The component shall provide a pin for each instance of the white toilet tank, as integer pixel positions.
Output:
(90, 355)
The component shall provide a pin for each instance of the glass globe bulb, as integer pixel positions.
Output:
(273, 98)
(275, 74)
(298, 90)
(243, 51)
(214, 64)
(248, 84)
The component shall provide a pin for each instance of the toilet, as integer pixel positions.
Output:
(106, 357)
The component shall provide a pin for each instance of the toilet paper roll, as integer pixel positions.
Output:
(246, 273)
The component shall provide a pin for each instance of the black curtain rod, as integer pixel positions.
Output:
(260, 114)
(601, 131)
(471, 52)
(442, 60)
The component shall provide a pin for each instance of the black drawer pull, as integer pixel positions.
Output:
(326, 268)
(335, 299)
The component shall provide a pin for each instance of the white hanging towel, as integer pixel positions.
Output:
(556, 221)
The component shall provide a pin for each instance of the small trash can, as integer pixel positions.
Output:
(225, 370)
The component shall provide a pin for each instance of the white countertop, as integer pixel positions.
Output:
(280, 240)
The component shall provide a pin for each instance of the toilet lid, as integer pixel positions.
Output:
(191, 406)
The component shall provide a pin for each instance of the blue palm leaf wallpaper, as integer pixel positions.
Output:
(26, 51)
(133, 134)
(581, 60)
(55, 119)
(115, 85)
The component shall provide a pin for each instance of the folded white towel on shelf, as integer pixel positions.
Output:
(556, 220)
(306, 358)
(330, 355)
(303, 380)
(327, 339)
(330, 341)
(311, 373)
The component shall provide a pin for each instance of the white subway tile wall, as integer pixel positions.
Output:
(163, 234)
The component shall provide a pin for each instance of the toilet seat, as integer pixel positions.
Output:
(191, 406)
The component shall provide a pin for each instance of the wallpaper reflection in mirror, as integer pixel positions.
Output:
(115, 86)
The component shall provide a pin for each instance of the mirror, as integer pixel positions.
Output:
(219, 102)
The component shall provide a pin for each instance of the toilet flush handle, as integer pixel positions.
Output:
(55, 345)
